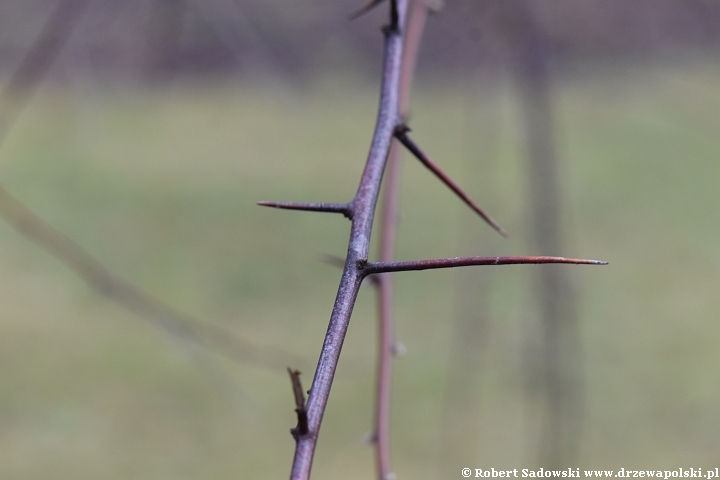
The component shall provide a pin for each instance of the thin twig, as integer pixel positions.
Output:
(302, 426)
(401, 134)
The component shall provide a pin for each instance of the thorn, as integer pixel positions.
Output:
(364, 9)
(382, 267)
(343, 208)
(401, 135)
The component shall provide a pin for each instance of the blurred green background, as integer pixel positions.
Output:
(157, 174)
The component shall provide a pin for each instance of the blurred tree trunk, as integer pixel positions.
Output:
(554, 356)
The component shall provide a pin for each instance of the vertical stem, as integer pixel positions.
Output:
(413, 35)
(363, 211)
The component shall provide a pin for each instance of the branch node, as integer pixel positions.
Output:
(302, 426)
(402, 129)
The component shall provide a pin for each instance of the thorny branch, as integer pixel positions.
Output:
(361, 211)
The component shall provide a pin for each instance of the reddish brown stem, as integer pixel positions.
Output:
(373, 268)
(386, 336)
(401, 134)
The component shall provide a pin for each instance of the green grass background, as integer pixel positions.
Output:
(160, 184)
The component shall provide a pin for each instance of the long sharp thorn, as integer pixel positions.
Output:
(401, 135)
(382, 267)
(364, 9)
(343, 208)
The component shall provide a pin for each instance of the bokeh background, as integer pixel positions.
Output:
(158, 124)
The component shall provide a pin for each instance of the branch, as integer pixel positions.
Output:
(363, 207)
(372, 268)
(401, 134)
